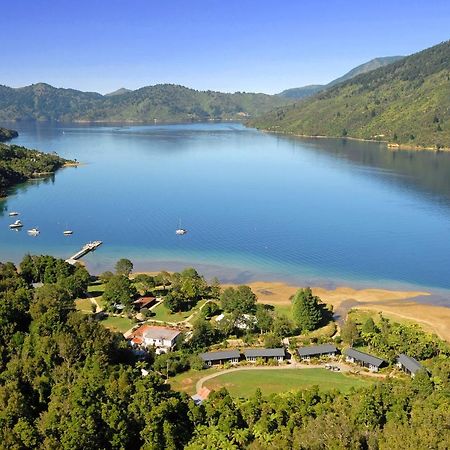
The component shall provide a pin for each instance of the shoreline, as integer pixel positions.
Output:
(393, 303)
(389, 145)
(397, 303)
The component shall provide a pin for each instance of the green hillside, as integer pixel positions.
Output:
(310, 90)
(6, 134)
(164, 102)
(302, 92)
(367, 67)
(406, 103)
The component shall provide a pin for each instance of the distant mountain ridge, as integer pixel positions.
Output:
(308, 91)
(163, 102)
(119, 91)
(406, 103)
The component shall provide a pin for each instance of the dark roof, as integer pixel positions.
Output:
(316, 350)
(264, 352)
(217, 356)
(364, 357)
(410, 363)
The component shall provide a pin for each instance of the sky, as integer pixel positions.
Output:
(224, 45)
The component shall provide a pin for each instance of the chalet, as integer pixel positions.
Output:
(162, 338)
(253, 354)
(408, 364)
(222, 357)
(363, 359)
(144, 302)
(315, 351)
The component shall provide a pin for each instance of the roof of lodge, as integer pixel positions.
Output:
(264, 352)
(410, 363)
(153, 332)
(160, 333)
(144, 300)
(217, 356)
(361, 356)
(316, 350)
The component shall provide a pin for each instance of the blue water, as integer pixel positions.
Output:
(256, 205)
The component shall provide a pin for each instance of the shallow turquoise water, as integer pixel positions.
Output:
(256, 205)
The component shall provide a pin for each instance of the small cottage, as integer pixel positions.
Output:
(221, 357)
(253, 354)
(371, 362)
(315, 351)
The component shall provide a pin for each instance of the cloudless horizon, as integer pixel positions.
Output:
(252, 46)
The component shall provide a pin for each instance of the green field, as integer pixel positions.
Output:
(284, 309)
(164, 314)
(243, 383)
(120, 324)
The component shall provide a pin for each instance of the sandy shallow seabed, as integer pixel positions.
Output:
(399, 304)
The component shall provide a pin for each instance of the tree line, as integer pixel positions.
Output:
(68, 383)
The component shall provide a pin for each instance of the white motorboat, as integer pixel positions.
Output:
(16, 224)
(33, 232)
(13, 213)
(67, 232)
(180, 231)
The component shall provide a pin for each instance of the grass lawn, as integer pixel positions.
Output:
(284, 309)
(186, 381)
(84, 305)
(243, 383)
(120, 324)
(164, 314)
(96, 291)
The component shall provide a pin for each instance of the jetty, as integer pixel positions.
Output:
(87, 248)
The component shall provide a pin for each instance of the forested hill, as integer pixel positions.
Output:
(164, 102)
(18, 164)
(68, 383)
(405, 103)
(308, 91)
(6, 134)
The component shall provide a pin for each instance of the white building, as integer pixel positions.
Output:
(162, 338)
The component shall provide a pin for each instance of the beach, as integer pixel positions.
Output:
(392, 303)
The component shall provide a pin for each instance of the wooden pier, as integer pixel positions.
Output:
(87, 248)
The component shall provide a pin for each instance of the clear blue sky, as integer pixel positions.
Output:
(226, 45)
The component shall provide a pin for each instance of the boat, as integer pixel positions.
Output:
(67, 232)
(180, 230)
(13, 213)
(33, 232)
(16, 224)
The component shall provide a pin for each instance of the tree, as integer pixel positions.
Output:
(240, 300)
(272, 341)
(105, 276)
(307, 310)
(203, 334)
(264, 318)
(349, 332)
(282, 326)
(369, 326)
(119, 290)
(215, 288)
(210, 309)
(124, 267)
(175, 302)
(422, 383)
